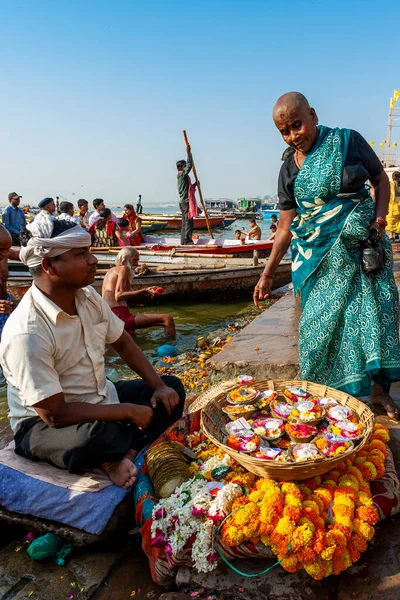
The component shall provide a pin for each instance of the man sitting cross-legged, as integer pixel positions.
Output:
(63, 410)
(117, 291)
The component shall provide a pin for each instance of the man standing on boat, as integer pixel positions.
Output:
(139, 205)
(187, 199)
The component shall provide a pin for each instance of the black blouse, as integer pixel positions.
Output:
(361, 164)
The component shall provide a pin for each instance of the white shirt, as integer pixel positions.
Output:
(66, 217)
(45, 351)
(42, 225)
(95, 217)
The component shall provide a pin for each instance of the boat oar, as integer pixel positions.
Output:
(199, 188)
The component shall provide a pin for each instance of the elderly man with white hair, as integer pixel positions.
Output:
(63, 410)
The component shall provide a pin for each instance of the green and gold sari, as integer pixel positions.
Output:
(348, 331)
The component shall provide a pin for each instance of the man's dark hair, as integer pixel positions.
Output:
(122, 222)
(180, 164)
(237, 231)
(97, 202)
(82, 202)
(252, 221)
(274, 216)
(65, 207)
(101, 223)
(129, 206)
(273, 227)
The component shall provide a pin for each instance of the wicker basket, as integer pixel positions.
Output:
(213, 421)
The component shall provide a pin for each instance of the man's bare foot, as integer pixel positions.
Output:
(379, 396)
(123, 472)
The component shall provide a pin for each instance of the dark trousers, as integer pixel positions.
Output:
(187, 225)
(15, 239)
(80, 448)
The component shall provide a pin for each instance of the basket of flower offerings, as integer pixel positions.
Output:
(304, 430)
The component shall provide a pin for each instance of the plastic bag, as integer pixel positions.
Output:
(50, 546)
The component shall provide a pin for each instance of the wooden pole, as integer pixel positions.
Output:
(199, 188)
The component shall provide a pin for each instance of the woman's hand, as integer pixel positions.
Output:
(262, 289)
(377, 230)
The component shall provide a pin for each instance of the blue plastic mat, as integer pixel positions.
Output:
(89, 511)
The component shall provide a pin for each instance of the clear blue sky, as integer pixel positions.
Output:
(95, 93)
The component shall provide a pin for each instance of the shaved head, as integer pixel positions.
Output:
(289, 101)
(296, 121)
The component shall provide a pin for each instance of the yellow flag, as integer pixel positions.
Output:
(372, 143)
(396, 96)
(394, 144)
(381, 146)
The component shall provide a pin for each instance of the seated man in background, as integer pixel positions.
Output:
(98, 205)
(63, 410)
(42, 225)
(83, 214)
(255, 231)
(67, 212)
(116, 292)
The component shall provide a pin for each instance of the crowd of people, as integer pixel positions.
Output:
(105, 229)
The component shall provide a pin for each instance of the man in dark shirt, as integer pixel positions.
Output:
(183, 180)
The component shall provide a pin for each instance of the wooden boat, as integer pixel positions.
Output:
(174, 222)
(180, 278)
(211, 246)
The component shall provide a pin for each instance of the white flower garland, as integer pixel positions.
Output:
(190, 510)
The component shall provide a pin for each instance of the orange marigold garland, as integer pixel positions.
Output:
(327, 520)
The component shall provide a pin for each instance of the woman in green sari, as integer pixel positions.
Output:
(348, 330)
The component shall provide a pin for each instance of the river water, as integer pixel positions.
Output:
(193, 318)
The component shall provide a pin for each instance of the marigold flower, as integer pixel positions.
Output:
(285, 526)
(381, 434)
(334, 476)
(363, 529)
(305, 490)
(315, 569)
(290, 563)
(338, 565)
(325, 495)
(256, 496)
(293, 512)
(232, 536)
(306, 555)
(340, 510)
(343, 499)
(353, 470)
(359, 542)
(368, 471)
(353, 552)
(364, 499)
(291, 489)
(318, 543)
(368, 514)
(327, 553)
(302, 535)
(349, 480)
(347, 491)
(378, 445)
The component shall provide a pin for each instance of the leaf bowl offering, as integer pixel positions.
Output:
(300, 432)
(244, 440)
(293, 394)
(243, 395)
(269, 429)
(338, 413)
(332, 445)
(235, 412)
(347, 430)
(280, 409)
(244, 380)
(304, 453)
(308, 412)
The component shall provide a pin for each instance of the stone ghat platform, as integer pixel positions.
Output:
(266, 348)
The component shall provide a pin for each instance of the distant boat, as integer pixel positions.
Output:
(174, 222)
(210, 246)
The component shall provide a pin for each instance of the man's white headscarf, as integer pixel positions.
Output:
(39, 248)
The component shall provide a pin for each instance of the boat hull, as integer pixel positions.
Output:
(191, 284)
